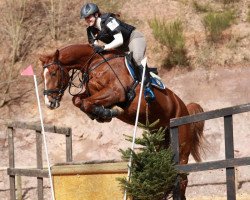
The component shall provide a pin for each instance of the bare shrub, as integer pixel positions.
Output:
(201, 7)
(53, 10)
(171, 36)
(58, 21)
(18, 35)
(215, 23)
(12, 21)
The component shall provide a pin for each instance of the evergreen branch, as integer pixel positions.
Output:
(153, 172)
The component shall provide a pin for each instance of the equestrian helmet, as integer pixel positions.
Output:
(89, 9)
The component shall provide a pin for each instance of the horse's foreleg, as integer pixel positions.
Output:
(77, 99)
(99, 104)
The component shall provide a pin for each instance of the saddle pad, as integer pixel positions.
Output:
(154, 79)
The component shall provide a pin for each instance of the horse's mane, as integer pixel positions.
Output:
(73, 45)
(82, 46)
(112, 51)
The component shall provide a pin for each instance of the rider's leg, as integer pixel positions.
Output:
(137, 45)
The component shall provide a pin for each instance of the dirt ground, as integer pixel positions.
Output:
(93, 141)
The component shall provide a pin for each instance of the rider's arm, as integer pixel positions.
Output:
(91, 38)
(118, 41)
(114, 27)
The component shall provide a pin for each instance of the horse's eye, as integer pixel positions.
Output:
(53, 73)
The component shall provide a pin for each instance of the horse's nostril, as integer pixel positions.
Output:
(52, 104)
(53, 100)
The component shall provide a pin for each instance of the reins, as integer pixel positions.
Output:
(105, 60)
(85, 75)
(71, 78)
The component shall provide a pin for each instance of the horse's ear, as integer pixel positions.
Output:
(56, 56)
(43, 58)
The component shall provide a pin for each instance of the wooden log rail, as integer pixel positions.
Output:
(229, 163)
(39, 172)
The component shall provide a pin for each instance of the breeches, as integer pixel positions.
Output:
(137, 45)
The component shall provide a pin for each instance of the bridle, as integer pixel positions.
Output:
(85, 76)
(60, 91)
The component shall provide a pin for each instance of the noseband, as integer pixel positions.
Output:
(60, 91)
(84, 80)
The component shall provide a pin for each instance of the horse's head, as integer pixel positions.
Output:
(56, 78)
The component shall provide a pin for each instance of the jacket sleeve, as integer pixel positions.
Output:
(118, 41)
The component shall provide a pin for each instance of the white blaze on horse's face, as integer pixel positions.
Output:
(49, 101)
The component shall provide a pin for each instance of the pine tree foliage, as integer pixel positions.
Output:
(152, 171)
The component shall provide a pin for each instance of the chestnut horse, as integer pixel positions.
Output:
(107, 80)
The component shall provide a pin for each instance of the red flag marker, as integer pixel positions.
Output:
(28, 71)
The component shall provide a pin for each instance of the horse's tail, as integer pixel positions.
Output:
(196, 131)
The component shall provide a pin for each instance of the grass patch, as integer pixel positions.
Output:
(171, 36)
(216, 23)
(201, 7)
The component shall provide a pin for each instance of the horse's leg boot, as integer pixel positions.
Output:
(106, 113)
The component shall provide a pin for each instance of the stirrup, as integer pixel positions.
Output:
(149, 94)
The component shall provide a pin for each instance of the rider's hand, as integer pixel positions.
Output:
(98, 49)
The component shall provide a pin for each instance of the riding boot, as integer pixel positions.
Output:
(148, 92)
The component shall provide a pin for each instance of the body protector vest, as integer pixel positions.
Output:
(109, 27)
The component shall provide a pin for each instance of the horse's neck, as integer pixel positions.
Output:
(76, 55)
(81, 56)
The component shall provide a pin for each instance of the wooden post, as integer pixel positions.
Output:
(39, 161)
(19, 187)
(175, 143)
(229, 153)
(175, 148)
(69, 146)
(11, 163)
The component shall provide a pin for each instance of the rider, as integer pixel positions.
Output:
(116, 35)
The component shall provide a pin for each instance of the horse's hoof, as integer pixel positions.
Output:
(118, 109)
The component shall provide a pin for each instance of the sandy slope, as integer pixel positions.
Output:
(212, 89)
